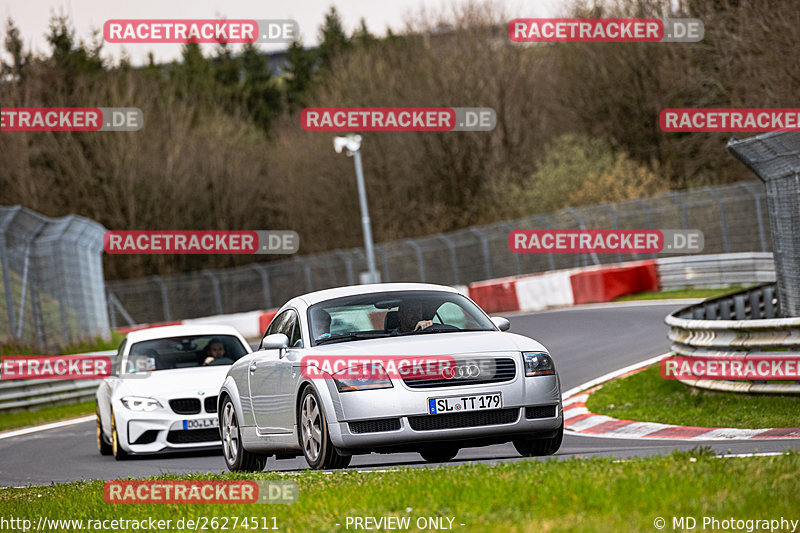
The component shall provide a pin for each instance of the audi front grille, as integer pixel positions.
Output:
(469, 419)
(489, 370)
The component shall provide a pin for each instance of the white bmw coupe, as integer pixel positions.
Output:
(162, 395)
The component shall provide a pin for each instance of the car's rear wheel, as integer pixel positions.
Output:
(237, 458)
(102, 446)
(116, 448)
(439, 455)
(537, 447)
(319, 451)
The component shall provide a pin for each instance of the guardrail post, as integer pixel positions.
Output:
(682, 205)
(543, 222)
(348, 265)
(453, 260)
(262, 272)
(722, 218)
(215, 287)
(487, 260)
(164, 298)
(615, 216)
(582, 225)
(420, 259)
(761, 235)
(515, 254)
(306, 272)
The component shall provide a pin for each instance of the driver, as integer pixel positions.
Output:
(215, 351)
(411, 315)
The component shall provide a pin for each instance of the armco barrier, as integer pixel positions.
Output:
(736, 325)
(603, 284)
(716, 270)
(19, 395)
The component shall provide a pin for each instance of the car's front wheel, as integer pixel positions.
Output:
(237, 458)
(102, 446)
(319, 451)
(116, 447)
(536, 447)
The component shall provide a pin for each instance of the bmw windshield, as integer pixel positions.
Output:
(385, 314)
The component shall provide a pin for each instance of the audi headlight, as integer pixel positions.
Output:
(538, 364)
(140, 403)
(362, 377)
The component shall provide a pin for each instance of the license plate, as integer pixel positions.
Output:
(201, 423)
(459, 404)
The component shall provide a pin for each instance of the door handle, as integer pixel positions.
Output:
(253, 366)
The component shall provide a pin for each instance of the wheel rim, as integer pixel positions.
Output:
(230, 434)
(114, 438)
(311, 428)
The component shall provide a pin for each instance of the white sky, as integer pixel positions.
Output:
(32, 16)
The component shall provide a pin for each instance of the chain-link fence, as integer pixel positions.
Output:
(52, 288)
(733, 218)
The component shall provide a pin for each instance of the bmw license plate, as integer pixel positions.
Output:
(201, 423)
(458, 404)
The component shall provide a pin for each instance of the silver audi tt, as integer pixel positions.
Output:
(387, 368)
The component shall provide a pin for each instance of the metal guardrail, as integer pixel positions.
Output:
(716, 270)
(737, 325)
(24, 394)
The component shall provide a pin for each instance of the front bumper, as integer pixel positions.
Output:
(407, 408)
(161, 430)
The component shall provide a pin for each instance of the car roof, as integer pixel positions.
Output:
(330, 294)
(165, 332)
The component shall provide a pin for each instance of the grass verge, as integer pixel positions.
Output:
(646, 397)
(598, 494)
(53, 413)
(680, 293)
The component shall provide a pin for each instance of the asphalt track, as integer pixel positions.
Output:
(586, 343)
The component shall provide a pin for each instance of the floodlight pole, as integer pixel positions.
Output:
(353, 145)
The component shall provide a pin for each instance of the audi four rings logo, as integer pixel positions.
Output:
(470, 370)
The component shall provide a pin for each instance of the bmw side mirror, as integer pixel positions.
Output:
(502, 323)
(276, 341)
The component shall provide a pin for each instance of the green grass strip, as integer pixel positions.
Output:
(646, 397)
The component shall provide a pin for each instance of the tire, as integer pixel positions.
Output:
(439, 455)
(102, 446)
(116, 448)
(532, 447)
(237, 459)
(315, 440)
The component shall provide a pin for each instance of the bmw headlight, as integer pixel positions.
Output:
(140, 403)
(538, 364)
(362, 377)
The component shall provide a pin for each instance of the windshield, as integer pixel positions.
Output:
(183, 352)
(386, 314)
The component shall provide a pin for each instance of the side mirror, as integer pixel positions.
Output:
(276, 341)
(502, 323)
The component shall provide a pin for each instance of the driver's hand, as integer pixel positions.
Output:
(422, 324)
(208, 360)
